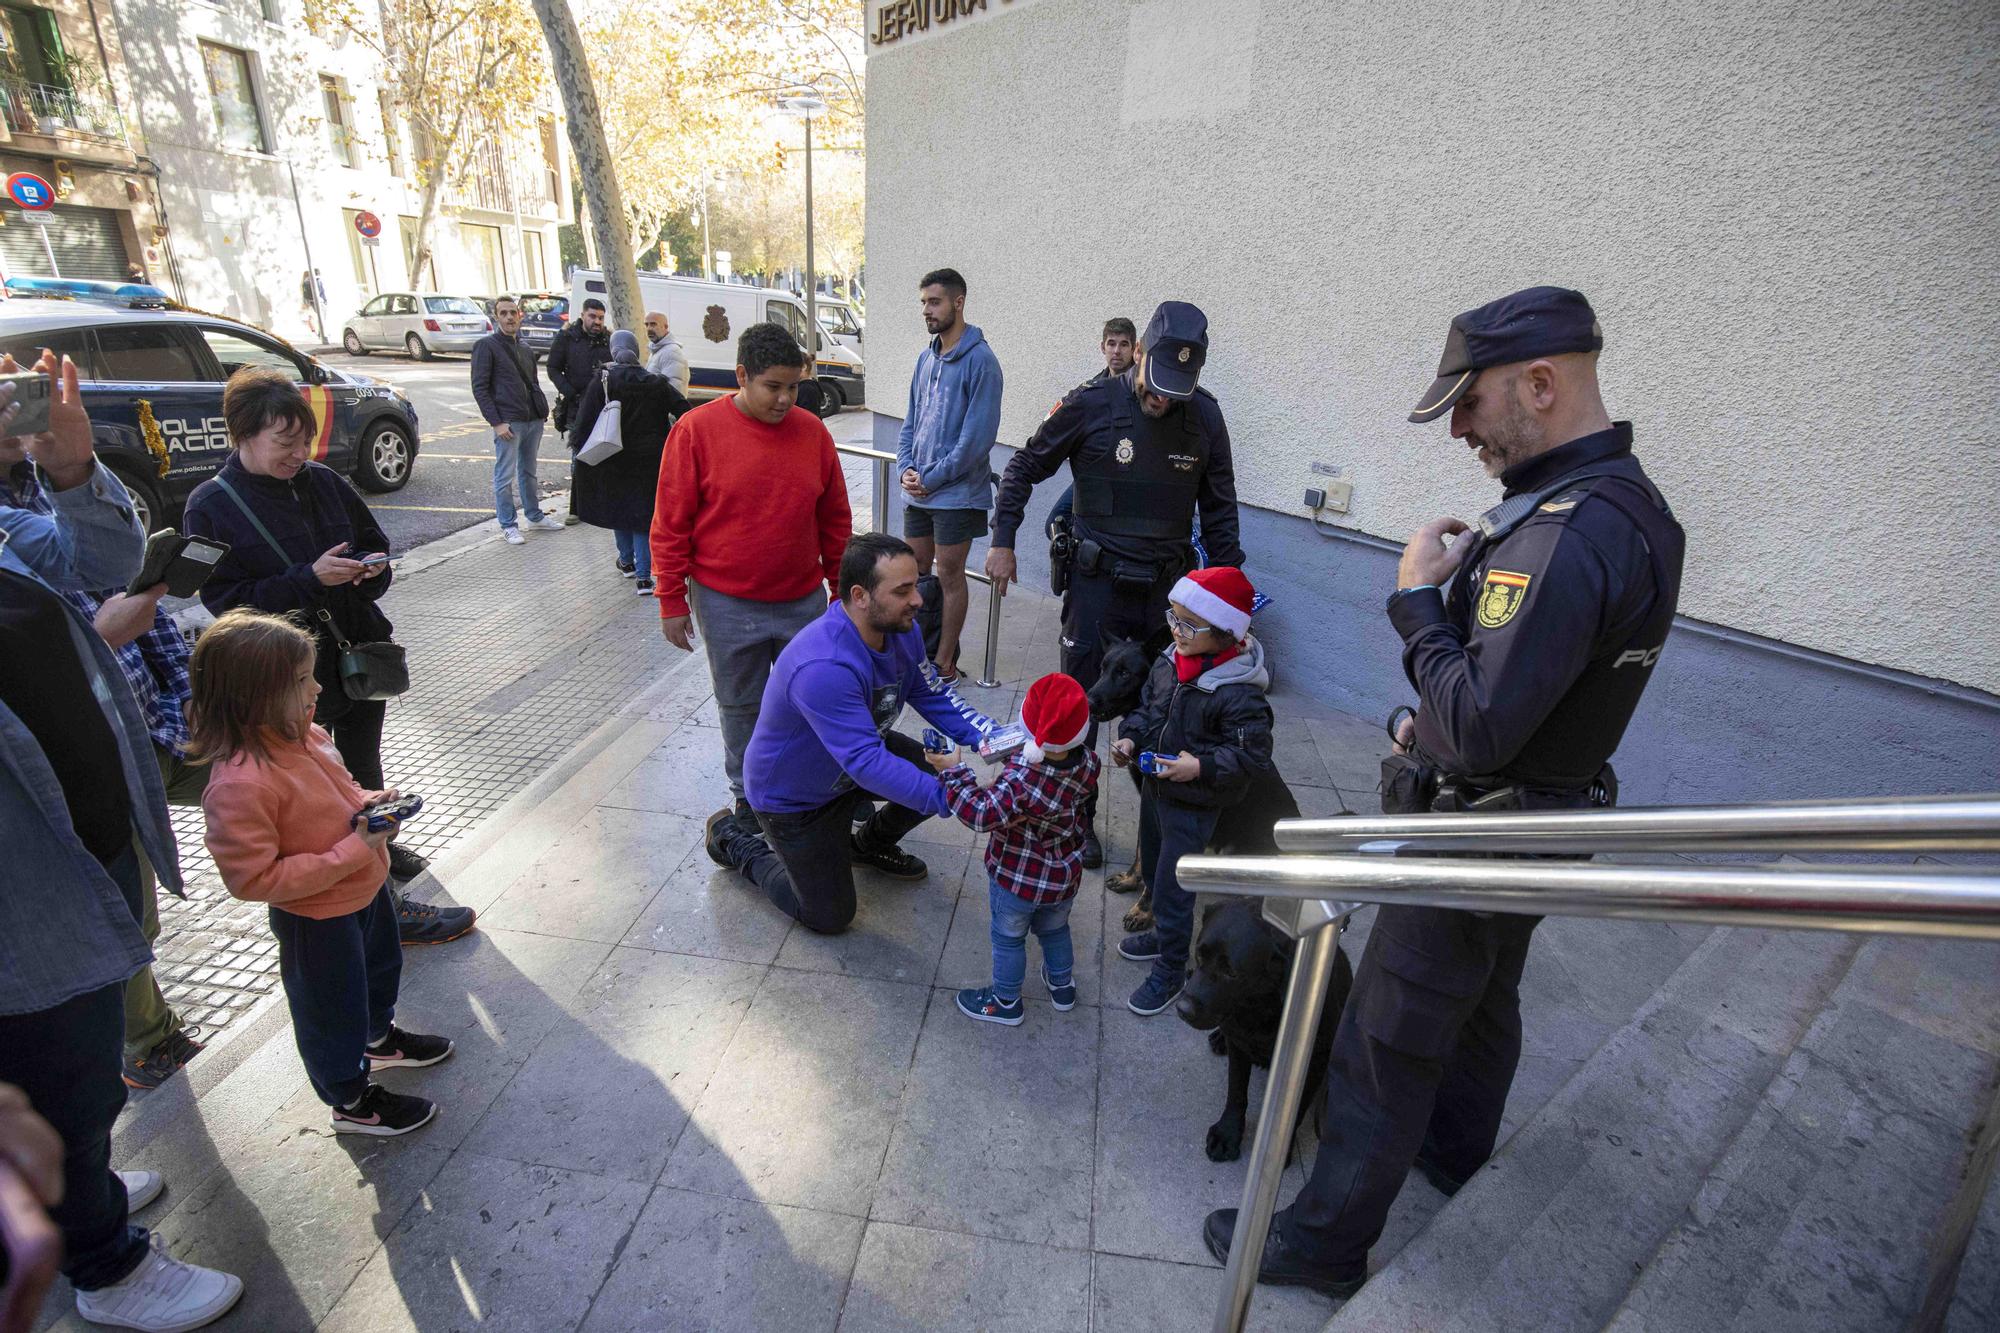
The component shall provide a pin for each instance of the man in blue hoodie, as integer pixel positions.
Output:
(824, 741)
(944, 452)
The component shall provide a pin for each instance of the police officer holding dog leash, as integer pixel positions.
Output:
(1146, 449)
(1529, 639)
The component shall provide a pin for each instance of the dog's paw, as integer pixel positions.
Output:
(1225, 1140)
(1216, 1045)
(1125, 881)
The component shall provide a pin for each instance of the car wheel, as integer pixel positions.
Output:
(352, 342)
(415, 347)
(384, 458)
(835, 399)
(145, 495)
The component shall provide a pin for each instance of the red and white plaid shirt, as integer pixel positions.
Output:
(1036, 851)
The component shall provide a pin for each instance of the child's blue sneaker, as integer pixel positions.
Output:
(981, 1003)
(1154, 994)
(1062, 997)
(1141, 948)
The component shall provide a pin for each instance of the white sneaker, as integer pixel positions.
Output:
(546, 523)
(162, 1295)
(514, 537)
(141, 1187)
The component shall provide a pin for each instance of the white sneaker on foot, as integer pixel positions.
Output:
(141, 1187)
(162, 1295)
(513, 536)
(546, 523)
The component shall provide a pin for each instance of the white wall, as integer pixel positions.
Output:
(1783, 213)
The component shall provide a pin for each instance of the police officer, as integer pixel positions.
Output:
(1145, 448)
(1529, 640)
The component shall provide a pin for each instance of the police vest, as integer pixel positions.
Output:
(1146, 482)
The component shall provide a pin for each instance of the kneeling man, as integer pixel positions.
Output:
(823, 740)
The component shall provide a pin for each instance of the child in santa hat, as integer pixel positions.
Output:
(1204, 713)
(1034, 860)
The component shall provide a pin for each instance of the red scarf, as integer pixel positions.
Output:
(1188, 670)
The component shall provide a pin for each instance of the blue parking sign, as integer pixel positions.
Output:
(31, 191)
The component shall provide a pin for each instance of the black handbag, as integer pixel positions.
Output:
(378, 670)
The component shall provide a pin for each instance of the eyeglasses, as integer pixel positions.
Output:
(1179, 626)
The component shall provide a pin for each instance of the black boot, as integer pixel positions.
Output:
(1281, 1266)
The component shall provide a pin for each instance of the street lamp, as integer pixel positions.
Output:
(807, 106)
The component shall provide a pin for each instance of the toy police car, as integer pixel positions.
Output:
(152, 383)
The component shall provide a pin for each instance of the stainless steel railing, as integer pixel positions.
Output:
(882, 466)
(1364, 861)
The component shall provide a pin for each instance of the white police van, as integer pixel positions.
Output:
(708, 317)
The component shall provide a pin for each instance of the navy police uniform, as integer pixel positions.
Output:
(1527, 666)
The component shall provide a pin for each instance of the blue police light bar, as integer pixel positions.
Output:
(132, 295)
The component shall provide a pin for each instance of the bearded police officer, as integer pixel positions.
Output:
(1146, 449)
(1529, 640)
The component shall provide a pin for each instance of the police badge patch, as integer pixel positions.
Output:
(1124, 451)
(1501, 598)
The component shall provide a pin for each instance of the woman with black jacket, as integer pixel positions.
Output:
(319, 575)
(618, 493)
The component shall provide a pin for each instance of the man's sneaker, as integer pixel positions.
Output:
(162, 1295)
(720, 830)
(626, 569)
(1281, 1265)
(407, 1050)
(513, 536)
(1154, 994)
(892, 861)
(1093, 852)
(546, 523)
(383, 1114)
(404, 864)
(141, 1187)
(420, 923)
(981, 1003)
(163, 1061)
(644, 587)
(1141, 948)
(1062, 997)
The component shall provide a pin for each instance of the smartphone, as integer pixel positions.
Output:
(32, 1246)
(182, 563)
(390, 813)
(31, 391)
(936, 741)
(377, 558)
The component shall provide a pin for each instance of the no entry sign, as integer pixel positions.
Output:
(31, 191)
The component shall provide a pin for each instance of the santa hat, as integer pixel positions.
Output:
(1056, 714)
(1220, 595)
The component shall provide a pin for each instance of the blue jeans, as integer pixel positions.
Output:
(1013, 917)
(635, 549)
(1167, 832)
(513, 459)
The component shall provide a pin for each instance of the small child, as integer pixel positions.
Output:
(1204, 712)
(284, 828)
(1034, 860)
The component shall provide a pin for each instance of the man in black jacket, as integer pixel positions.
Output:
(503, 384)
(580, 347)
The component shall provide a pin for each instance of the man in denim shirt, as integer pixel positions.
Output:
(80, 800)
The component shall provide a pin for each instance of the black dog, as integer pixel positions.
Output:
(1242, 964)
(1243, 829)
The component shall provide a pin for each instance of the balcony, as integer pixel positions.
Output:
(75, 122)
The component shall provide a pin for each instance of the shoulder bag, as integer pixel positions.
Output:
(607, 434)
(379, 670)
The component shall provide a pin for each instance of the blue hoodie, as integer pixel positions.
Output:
(952, 424)
(826, 707)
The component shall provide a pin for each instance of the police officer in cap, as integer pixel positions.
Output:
(1145, 449)
(1529, 640)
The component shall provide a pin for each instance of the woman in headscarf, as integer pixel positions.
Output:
(618, 492)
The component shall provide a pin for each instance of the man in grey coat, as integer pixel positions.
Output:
(666, 357)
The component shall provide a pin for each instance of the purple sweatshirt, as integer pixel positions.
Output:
(830, 700)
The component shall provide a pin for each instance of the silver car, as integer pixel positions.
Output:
(420, 323)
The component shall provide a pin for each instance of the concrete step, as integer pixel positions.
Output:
(1975, 1299)
(1551, 1233)
(1847, 1198)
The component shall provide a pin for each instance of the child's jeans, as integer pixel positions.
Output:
(1013, 917)
(341, 976)
(1167, 832)
(635, 548)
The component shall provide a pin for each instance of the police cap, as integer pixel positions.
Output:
(1176, 344)
(1538, 321)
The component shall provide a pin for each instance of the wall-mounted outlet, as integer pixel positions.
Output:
(1315, 498)
(1339, 495)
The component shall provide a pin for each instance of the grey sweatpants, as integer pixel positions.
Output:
(742, 639)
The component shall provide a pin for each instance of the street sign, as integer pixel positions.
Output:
(38, 219)
(366, 223)
(31, 191)
(371, 240)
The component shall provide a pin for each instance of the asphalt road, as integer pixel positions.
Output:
(451, 486)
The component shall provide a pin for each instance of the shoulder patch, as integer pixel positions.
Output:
(1501, 597)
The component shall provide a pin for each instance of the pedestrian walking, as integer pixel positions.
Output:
(504, 387)
(618, 493)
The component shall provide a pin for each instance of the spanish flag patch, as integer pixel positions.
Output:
(1501, 597)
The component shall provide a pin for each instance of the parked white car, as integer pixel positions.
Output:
(420, 323)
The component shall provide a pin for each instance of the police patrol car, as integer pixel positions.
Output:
(152, 383)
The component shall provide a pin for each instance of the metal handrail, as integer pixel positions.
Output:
(1887, 824)
(1307, 894)
(878, 521)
